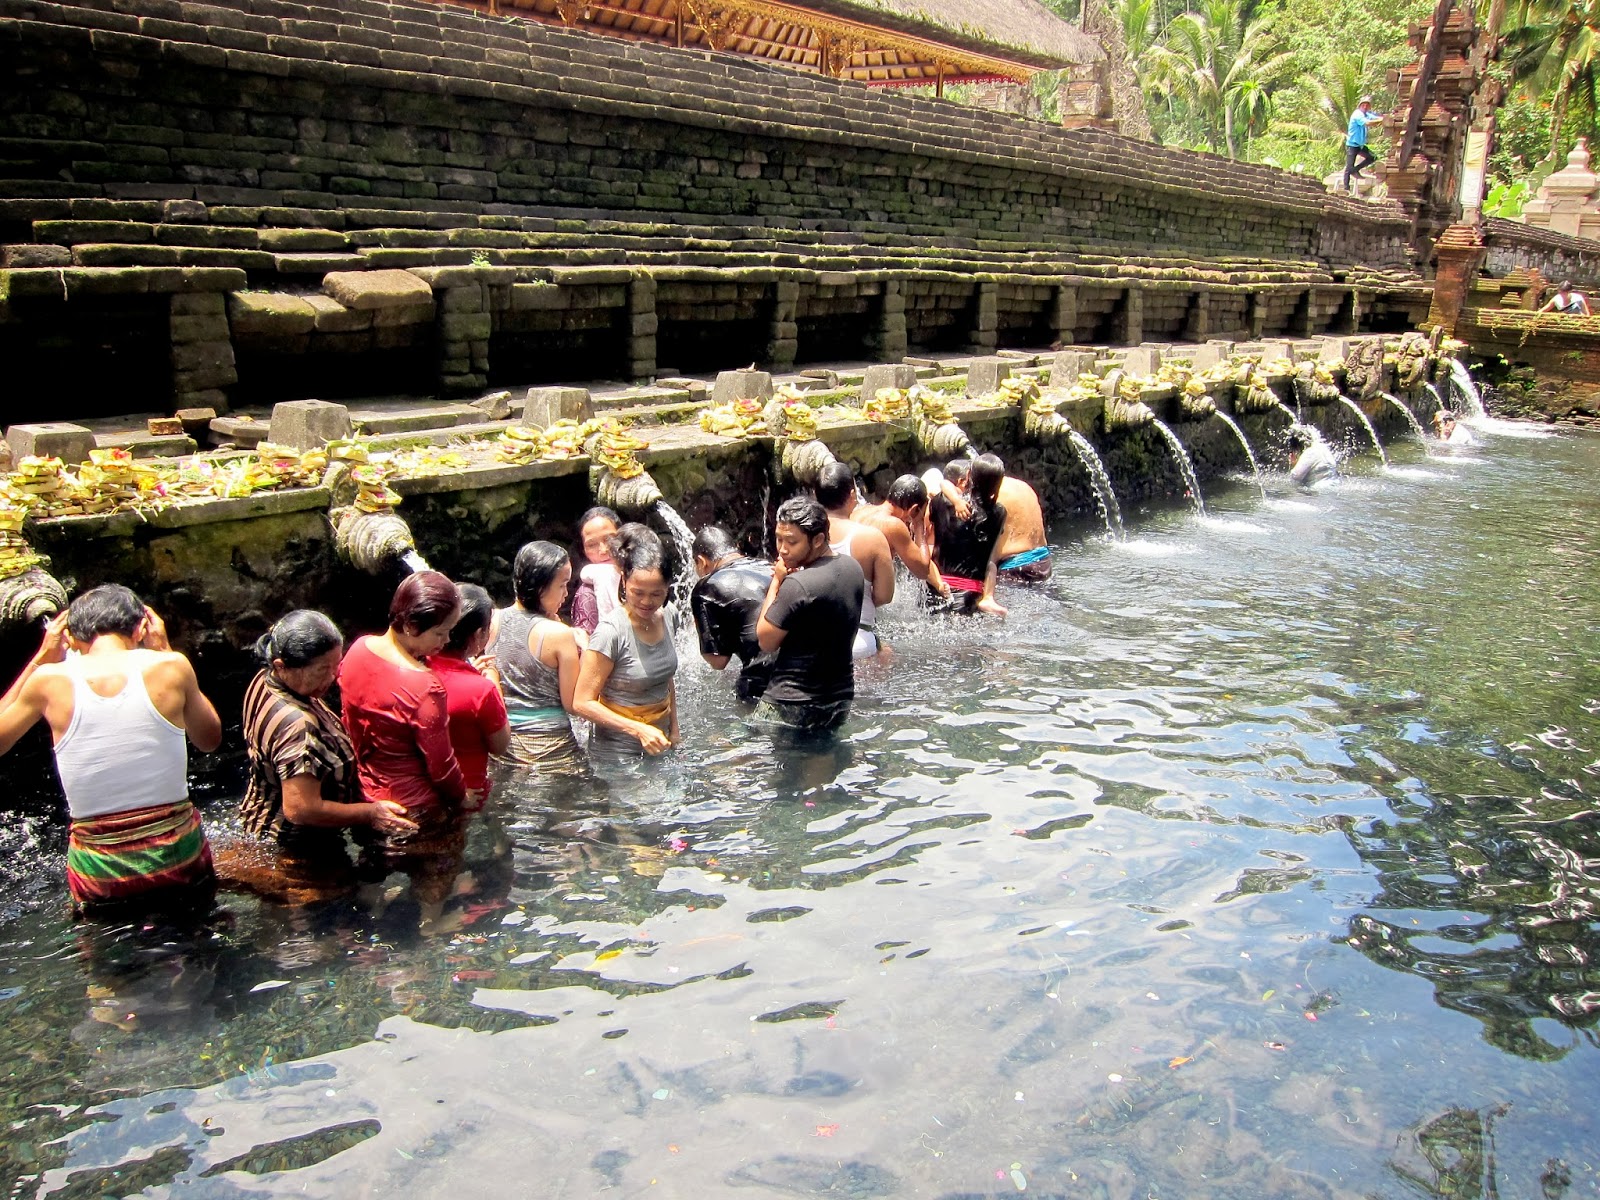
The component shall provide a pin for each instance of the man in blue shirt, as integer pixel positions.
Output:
(1355, 140)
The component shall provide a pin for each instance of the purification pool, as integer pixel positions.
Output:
(1254, 856)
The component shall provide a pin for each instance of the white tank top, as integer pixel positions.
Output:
(119, 753)
(869, 610)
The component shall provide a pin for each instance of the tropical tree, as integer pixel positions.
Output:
(1215, 68)
(1553, 49)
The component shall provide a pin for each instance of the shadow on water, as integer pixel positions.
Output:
(1252, 856)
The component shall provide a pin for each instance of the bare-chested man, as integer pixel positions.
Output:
(905, 509)
(1024, 551)
(836, 492)
(119, 711)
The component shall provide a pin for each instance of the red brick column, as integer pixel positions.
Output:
(1460, 253)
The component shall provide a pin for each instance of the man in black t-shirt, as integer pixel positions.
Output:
(726, 602)
(809, 617)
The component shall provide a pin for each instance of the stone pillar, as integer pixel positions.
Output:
(888, 343)
(1127, 325)
(1255, 316)
(1566, 202)
(642, 326)
(202, 350)
(464, 324)
(784, 337)
(1064, 319)
(985, 317)
(1197, 322)
(1303, 322)
(1460, 252)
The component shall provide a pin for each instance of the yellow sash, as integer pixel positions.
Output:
(648, 714)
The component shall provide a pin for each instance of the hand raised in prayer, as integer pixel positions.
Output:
(53, 645)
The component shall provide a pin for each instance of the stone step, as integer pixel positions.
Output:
(413, 419)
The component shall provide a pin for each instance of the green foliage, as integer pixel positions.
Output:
(1552, 52)
(1506, 199)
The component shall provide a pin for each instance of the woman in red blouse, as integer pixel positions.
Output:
(395, 707)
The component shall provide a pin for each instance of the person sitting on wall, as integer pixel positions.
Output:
(808, 620)
(726, 603)
(626, 684)
(1357, 158)
(902, 518)
(1023, 553)
(479, 726)
(836, 492)
(1567, 301)
(1310, 460)
(303, 790)
(120, 710)
(966, 547)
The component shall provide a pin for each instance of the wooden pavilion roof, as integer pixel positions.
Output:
(885, 42)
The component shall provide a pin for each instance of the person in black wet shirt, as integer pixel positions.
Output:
(726, 602)
(965, 543)
(809, 618)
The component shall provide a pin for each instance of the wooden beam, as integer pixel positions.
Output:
(1431, 56)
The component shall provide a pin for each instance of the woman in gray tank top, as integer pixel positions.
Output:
(626, 684)
(539, 658)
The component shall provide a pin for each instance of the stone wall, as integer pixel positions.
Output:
(1513, 246)
(206, 169)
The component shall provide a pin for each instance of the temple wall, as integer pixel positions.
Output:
(178, 167)
(1513, 246)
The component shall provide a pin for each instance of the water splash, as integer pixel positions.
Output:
(683, 544)
(1367, 425)
(1438, 397)
(414, 562)
(1180, 456)
(1255, 467)
(1462, 380)
(971, 452)
(1411, 417)
(1104, 498)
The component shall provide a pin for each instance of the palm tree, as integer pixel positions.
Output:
(1553, 48)
(1216, 68)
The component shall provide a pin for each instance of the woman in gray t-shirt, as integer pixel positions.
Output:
(625, 685)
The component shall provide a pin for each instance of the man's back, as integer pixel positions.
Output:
(165, 675)
(1024, 527)
(870, 549)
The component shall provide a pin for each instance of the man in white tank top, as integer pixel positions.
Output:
(119, 711)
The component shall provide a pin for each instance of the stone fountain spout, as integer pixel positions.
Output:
(30, 597)
(1196, 406)
(373, 542)
(1122, 413)
(944, 441)
(633, 497)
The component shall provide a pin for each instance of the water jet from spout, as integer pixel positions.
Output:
(1104, 497)
(1411, 417)
(1255, 467)
(1367, 425)
(1180, 456)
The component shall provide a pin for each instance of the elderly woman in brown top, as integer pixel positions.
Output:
(303, 788)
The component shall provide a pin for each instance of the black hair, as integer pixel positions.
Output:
(1298, 439)
(805, 514)
(907, 492)
(636, 547)
(988, 472)
(595, 514)
(1564, 286)
(835, 484)
(957, 470)
(477, 610)
(109, 608)
(714, 543)
(536, 567)
(298, 639)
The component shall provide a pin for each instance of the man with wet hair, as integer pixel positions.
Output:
(902, 518)
(119, 710)
(808, 620)
(966, 533)
(836, 492)
(726, 603)
(1310, 460)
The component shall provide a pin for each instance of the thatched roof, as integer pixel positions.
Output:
(869, 41)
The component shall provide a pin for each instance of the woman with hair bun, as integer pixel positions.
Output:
(303, 789)
(539, 659)
(625, 685)
(395, 708)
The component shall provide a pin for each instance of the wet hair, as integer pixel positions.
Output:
(634, 548)
(477, 610)
(422, 602)
(835, 484)
(805, 514)
(714, 543)
(597, 513)
(1297, 439)
(536, 567)
(109, 608)
(298, 639)
(988, 472)
(957, 470)
(907, 492)
(1564, 286)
